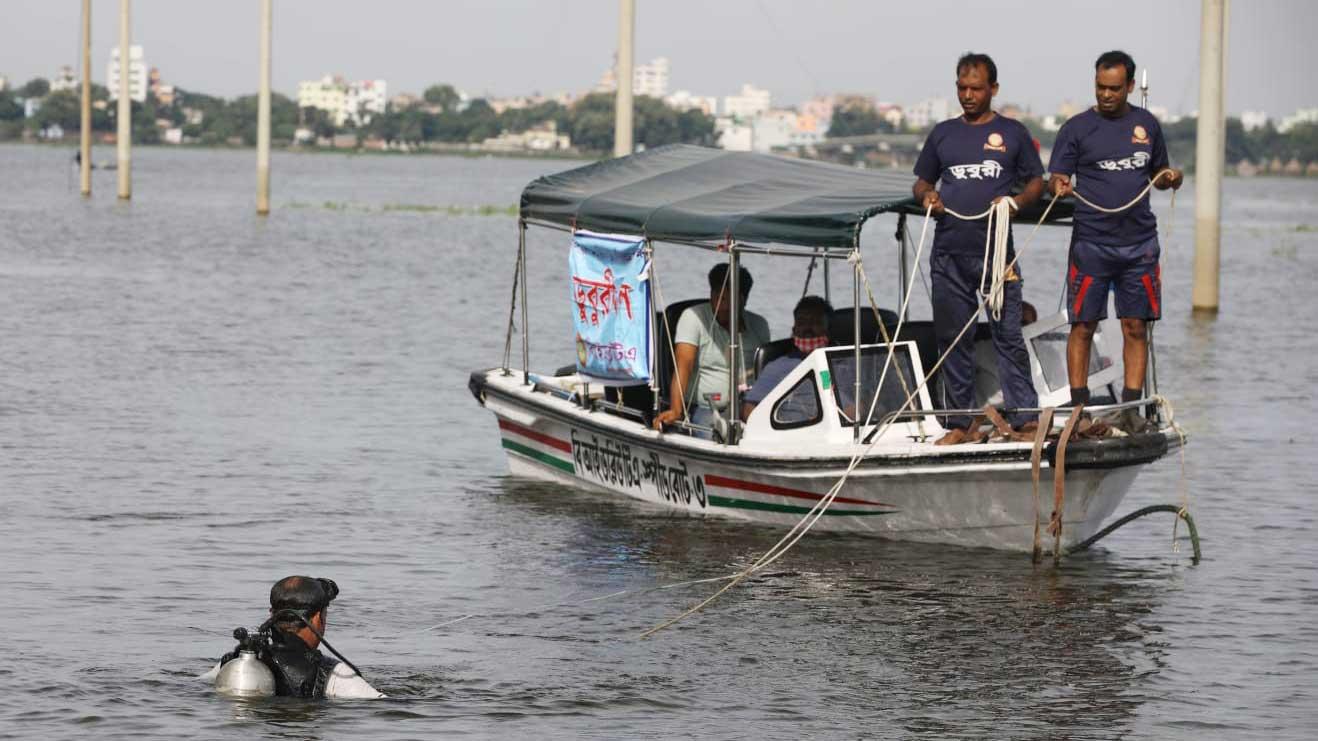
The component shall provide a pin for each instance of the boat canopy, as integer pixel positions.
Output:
(685, 193)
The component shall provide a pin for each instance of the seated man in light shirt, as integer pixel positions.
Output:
(701, 349)
(809, 333)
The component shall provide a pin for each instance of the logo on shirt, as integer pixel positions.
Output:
(1136, 161)
(979, 171)
(1141, 136)
(995, 143)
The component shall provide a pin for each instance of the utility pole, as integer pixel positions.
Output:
(85, 125)
(1210, 157)
(124, 138)
(263, 118)
(622, 114)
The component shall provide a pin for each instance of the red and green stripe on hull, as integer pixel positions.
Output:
(732, 493)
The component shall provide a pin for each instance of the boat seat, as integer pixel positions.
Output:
(641, 398)
(771, 351)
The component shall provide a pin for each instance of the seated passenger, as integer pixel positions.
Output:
(809, 332)
(700, 351)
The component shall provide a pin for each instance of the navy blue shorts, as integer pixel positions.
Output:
(1132, 270)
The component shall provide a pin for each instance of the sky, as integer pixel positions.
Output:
(896, 51)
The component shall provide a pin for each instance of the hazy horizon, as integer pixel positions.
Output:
(901, 53)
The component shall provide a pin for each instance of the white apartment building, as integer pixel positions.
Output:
(784, 128)
(344, 101)
(928, 112)
(733, 135)
(752, 102)
(64, 80)
(647, 79)
(137, 74)
(365, 99)
(1252, 120)
(1302, 115)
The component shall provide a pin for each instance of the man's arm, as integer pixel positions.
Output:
(1032, 191)
(928, 196)
(684, 362)
(1161, 162)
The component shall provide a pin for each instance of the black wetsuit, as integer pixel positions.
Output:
(299, 671)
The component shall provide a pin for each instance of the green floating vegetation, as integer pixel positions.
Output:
(1302, 228)
(416, 208)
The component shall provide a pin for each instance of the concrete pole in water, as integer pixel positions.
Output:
(125, 116)
(85, 122)
(622, 114)
(263, 117)
(1210, 157)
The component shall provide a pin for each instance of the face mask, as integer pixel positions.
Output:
(809, 344)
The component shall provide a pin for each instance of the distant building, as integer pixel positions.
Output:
(1252, 120)
(541, 138)
(164, 93)
(820, 108)
(64, 80)
(137, 74)
(403, 101)
(365, 99)
(733, 135)
(1066, 110)
(928, 112)
(775, 129)
(647, 79)
(685, 101)
(1301, 116)
(342, 100)
(893, 114)
(4, 83)
(750, 103)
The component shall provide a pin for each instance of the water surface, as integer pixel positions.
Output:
(195, 401)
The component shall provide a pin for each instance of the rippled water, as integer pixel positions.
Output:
(195, 402)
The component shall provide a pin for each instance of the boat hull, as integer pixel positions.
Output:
(983, 501)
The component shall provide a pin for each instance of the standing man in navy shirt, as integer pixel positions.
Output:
(1114, 149)
(978, 158)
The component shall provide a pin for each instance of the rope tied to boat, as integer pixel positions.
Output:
(1036, 459)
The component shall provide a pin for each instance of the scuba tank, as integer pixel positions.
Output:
(246, 675)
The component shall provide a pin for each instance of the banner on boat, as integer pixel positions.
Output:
(611, 307)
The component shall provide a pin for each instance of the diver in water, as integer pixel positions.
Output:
(287, 646)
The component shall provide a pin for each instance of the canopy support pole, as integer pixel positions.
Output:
(733, 287)
(901, 264)
(654, 329)
(855, 328)
(827, 293)
(526, 330)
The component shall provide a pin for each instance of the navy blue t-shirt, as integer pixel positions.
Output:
(976, 163)
(1112, 160)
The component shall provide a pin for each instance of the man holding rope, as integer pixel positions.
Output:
(1115, 149)
(978, 158)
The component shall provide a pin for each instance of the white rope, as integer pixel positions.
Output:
(1132, 201)
(997, 232)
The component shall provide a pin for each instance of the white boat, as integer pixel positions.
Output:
(778, 464)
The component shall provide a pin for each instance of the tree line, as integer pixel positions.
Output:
(440, 116)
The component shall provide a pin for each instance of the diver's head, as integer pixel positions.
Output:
(296, 601)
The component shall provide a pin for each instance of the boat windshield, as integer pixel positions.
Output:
(842, 365)
(1050, 350)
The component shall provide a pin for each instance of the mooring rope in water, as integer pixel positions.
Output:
(808, 520)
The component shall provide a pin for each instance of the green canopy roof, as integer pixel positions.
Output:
(686, 193)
